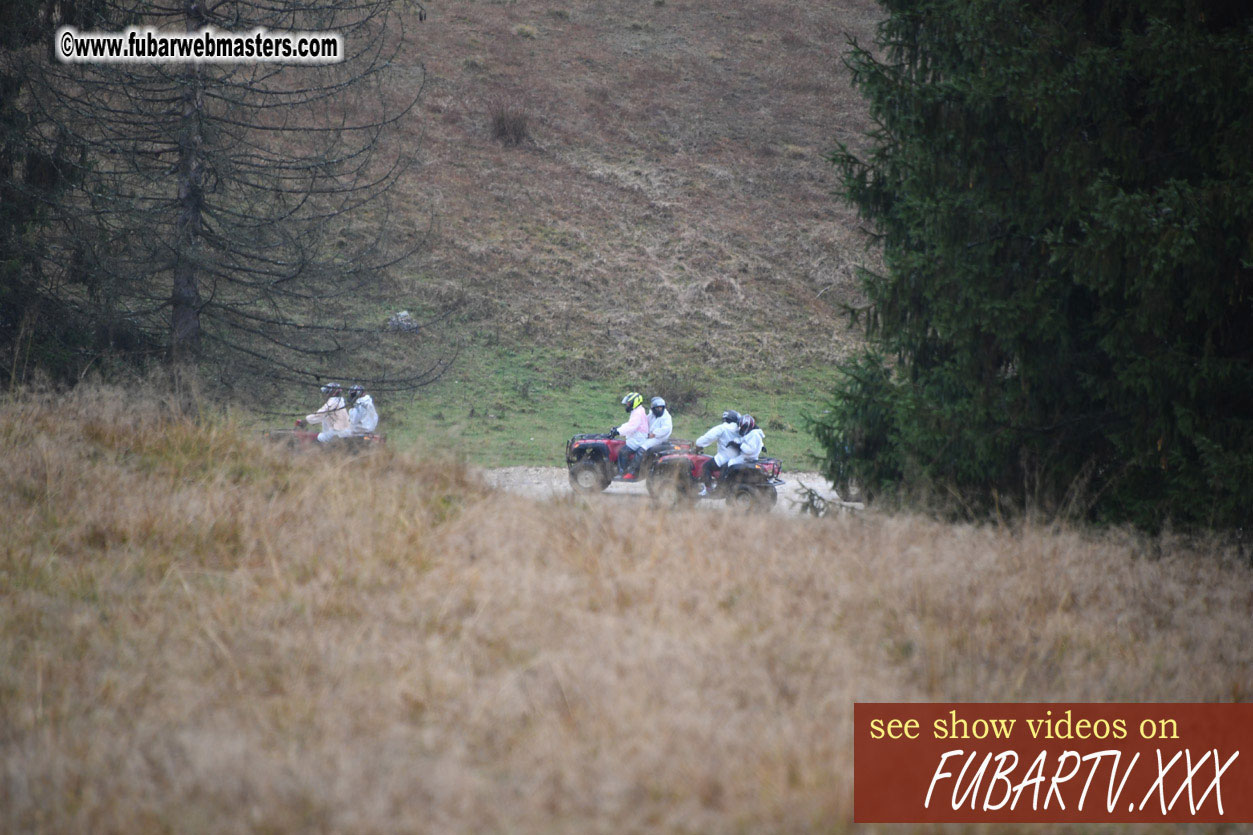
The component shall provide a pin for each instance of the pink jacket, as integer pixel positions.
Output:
(636, 426)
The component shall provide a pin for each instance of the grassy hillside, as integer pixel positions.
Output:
(671, 201)
(203, 633)
(667, 217)
(502, 406)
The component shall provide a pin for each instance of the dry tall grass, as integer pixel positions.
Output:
(200, 633)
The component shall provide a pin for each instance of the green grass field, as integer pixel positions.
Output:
(501, 407)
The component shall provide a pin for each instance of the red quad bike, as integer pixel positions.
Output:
(750, 487)
(303, 435)
(592, 461)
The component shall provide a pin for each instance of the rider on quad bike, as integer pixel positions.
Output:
(660, 425)
(746, 480)
(333, 415)
(362, 415)
(747, 443)
(347, 418)
(595, 461)
(724, 434)
(635, 431)
(750, 444)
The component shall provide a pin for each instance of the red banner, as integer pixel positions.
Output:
(1052, 763)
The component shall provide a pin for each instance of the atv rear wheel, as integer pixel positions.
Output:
(588, 477)
(750, 498)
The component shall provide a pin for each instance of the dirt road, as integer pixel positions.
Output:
(550, 482)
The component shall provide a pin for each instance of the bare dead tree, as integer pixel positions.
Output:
(238, 215)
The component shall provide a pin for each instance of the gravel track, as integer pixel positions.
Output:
(552, 482)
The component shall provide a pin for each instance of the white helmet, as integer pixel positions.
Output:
(658, 401)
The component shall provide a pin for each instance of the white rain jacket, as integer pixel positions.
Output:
(635, 430)
(750, 447)
(334, 419)
(362, 415)
(659, 429)
(723, 433)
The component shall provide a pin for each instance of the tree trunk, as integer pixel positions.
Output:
(185, 299)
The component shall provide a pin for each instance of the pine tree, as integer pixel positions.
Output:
(37, 328)
(1064, 196)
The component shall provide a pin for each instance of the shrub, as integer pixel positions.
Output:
(510, 123)
(680, 392)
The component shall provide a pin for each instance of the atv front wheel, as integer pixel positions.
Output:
(652, 479)
(670, 490)
(588, 477)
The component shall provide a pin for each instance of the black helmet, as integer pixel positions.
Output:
(730, 416)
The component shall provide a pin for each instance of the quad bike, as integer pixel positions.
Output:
(592, 461)
(302, 435)
(751, 487)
